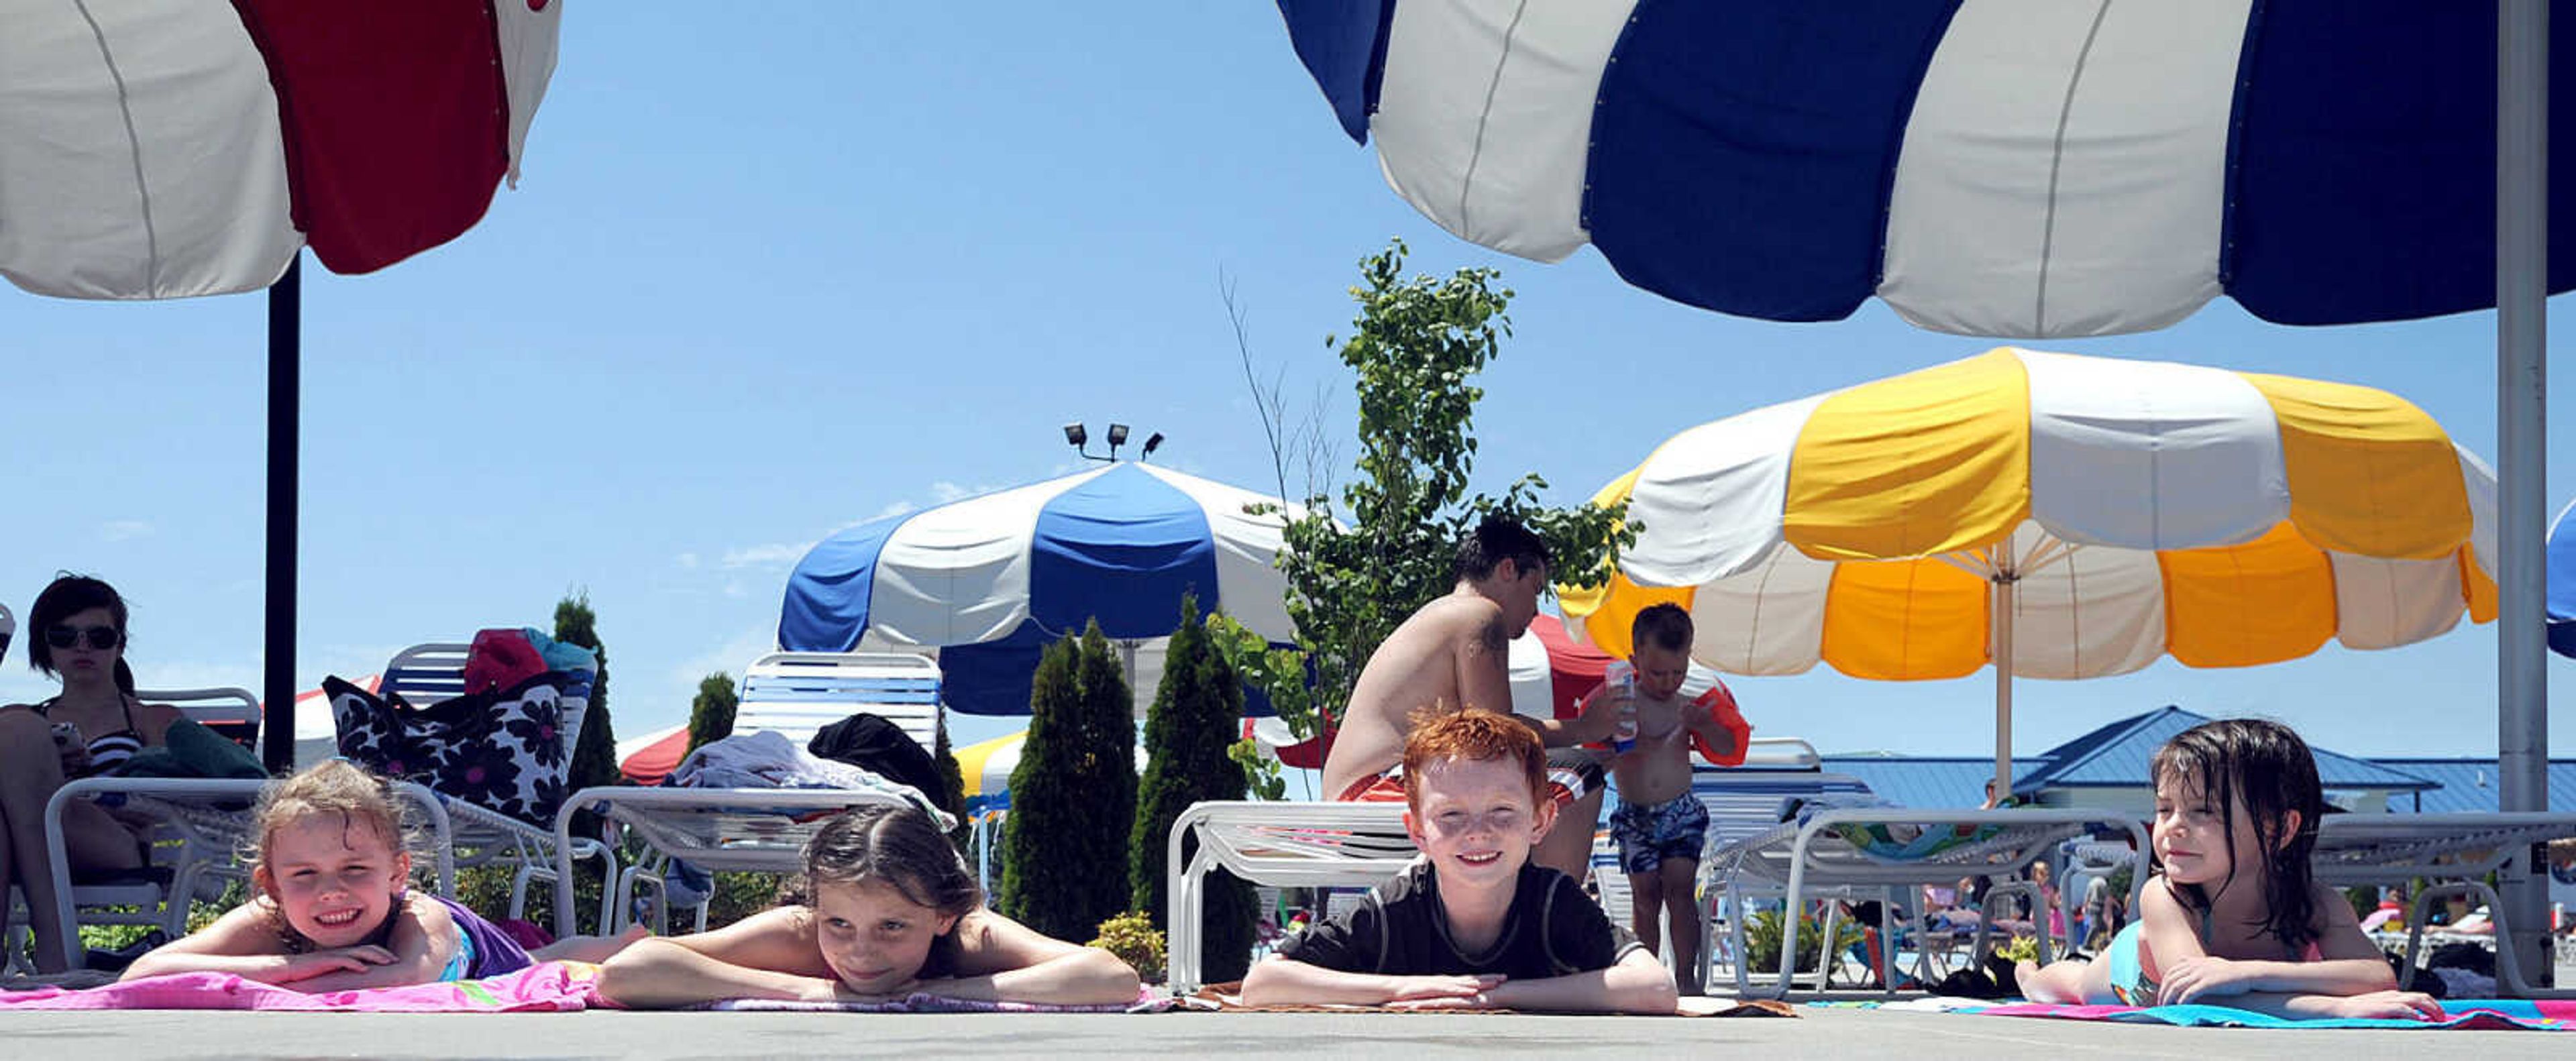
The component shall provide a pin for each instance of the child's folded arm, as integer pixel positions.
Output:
(658, 972)
(2334, 976)
(1008, 961)
(750, 958)
(1637, 983)
(1278, 981)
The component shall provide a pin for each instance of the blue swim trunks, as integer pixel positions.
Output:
(1676, 828)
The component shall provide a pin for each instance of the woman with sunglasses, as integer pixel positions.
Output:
(75, 633)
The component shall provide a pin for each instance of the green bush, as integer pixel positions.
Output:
(1131, 936)
(1762, 940)
(1197, 712)
(1073, 796)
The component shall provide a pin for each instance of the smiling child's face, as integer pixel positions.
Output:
(334, 878)
(2192, 836)
(1477, 819)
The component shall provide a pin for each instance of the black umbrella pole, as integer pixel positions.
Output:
(285, 388)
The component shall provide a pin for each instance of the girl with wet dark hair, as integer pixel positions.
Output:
(2233, 915)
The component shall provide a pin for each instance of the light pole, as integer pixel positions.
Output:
(1078, 438)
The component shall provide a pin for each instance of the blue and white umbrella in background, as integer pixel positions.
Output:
(2011, 168)
(989, 581)
(2562, 583)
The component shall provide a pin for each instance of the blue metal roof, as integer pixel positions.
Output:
(2119, 756)
(1911, 781)
(2468, 786)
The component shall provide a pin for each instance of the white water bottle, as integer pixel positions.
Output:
(1622, 678)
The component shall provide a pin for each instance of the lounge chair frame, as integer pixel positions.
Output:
(794, 694)
(1800, 862)
(1297, 844)
(2456, 850)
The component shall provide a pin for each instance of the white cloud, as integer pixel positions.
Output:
(944, 492)
(688, 560)
(773, 555)
(735, 588)
(118, 530)
(679, 684)
(729, 657)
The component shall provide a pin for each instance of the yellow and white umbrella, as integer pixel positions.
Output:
(2062, 516)
(986, 768)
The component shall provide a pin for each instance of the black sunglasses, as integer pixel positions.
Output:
(101, 638)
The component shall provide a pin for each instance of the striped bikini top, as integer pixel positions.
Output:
(106, 751)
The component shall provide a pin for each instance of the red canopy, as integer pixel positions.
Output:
(660, 755)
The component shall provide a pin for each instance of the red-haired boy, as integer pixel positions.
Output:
(1475, 923)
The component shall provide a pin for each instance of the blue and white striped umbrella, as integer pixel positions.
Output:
(2023, 168)
(991, 580)
(2561, 580)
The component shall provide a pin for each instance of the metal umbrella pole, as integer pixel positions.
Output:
(2522, 311)
(285, 397)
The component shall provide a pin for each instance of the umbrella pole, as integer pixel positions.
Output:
(2003, 628)
(285, 389)
(2522, 257)
(1127, 661)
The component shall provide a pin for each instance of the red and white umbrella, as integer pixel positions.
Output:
(173, 148)
(646, 760)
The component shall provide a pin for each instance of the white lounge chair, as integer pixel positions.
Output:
(1797, 863)
(199, 837)
(1277, 843)
(794, 694)
(1609, 882)
(478, 836)
(2453, 853)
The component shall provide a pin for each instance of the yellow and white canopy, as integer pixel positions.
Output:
(2125, 509)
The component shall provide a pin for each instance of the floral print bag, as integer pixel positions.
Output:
(501, 750)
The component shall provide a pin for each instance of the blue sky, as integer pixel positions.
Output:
(773, 274)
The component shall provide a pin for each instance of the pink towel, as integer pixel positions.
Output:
(925, 1002)
(543, 987)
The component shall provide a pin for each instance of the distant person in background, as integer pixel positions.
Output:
(2097, 913)
(77, 634)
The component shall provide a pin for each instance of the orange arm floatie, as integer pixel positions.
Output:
(1720, 703)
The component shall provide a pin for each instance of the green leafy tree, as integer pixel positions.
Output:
(711, 712)
(594, 759)
(1197, 711)
(1416, 348)
(943, 756)
(1073, 796)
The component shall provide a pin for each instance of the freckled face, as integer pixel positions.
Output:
(1477, 819)
(873, 936)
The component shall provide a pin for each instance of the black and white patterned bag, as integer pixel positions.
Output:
(501, 750)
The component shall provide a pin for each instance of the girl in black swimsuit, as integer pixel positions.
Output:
(76, 633)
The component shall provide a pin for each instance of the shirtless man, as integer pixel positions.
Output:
(1454, 652)
(1660, 823)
